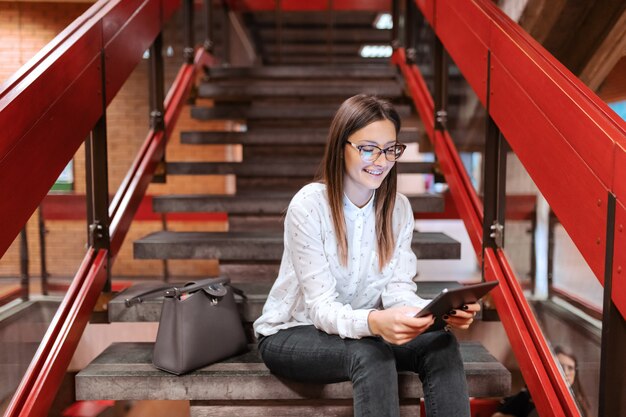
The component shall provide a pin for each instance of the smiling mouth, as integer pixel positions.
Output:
(374, 171)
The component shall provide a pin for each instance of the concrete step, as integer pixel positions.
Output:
(302, 136)
(260, 247)
(242, 90)
(281, 408)
(124, 372)
(296, 167)
(296, 72)
(339, 35)
(306, 60)
(256, 111)
(249, 308)
(271, 203)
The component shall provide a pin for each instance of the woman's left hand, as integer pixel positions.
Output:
(462, 318)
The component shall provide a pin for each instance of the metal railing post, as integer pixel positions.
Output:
(42, 252)
(209, 42)
(494, 180)
(409, 30)
(278, 16)
(612, 396)
(97, 182)
(440, 98)
(188, 31)
(157, 96)
(395, 30)
(24, 264)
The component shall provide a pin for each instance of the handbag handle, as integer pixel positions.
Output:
(176, 291)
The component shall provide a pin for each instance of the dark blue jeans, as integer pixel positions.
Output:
(306, 354)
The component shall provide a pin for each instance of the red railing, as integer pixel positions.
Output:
(570, 142)
(63, 80)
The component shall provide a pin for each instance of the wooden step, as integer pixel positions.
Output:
(301, 136)
(297, 72)
(124, 372)
(302, 167)
(306, 60)
(273, 203)
(339, 35)
(256, 111)
(239, 90)
(237, 247)
(249, 308)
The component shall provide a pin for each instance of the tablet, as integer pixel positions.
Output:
(455, 298)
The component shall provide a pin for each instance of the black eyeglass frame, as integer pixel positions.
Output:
(379, 151)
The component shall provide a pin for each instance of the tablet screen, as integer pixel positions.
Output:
(455, 298)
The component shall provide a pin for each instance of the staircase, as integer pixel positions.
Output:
(287, 112)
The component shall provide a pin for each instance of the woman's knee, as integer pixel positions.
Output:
(443, 350)
(369, 356)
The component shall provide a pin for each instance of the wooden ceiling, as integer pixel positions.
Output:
(587, 36)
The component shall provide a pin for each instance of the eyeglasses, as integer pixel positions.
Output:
(370, 153)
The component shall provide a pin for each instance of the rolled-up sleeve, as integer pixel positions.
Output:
(305, 247)
(401, 290)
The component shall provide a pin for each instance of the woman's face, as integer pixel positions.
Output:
(362, 178)
(569, 367)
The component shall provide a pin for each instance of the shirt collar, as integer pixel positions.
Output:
(351, 211)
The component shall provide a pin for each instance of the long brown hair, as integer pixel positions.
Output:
(354, 114)
(579, 394)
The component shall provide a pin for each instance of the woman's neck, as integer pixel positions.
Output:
(359, 198)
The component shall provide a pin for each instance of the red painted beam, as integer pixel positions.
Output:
(129, 29)
(63, 80)
(68, 84)
(74, 207)
(571, 143)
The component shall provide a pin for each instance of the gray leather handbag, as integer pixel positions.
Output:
(199, 325)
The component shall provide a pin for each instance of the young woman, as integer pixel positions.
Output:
(343, 305)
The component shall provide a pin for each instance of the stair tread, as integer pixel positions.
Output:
(319, 71)
(275, 111)
(306, 136)
(242, 90)
(295, 167)
(249, 308)
(124, 372)
(263, 203)
(266, 246)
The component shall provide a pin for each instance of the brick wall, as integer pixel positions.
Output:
(25, 27)
(31, 26)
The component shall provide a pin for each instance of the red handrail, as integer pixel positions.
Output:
(64, 80)
(74, 61)
(43, 377)
(570, 142)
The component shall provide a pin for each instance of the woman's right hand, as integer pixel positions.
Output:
(398, 325)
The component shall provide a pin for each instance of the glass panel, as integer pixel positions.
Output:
(424, 50)
(59, 226)
(466, 124)
(565, 296)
